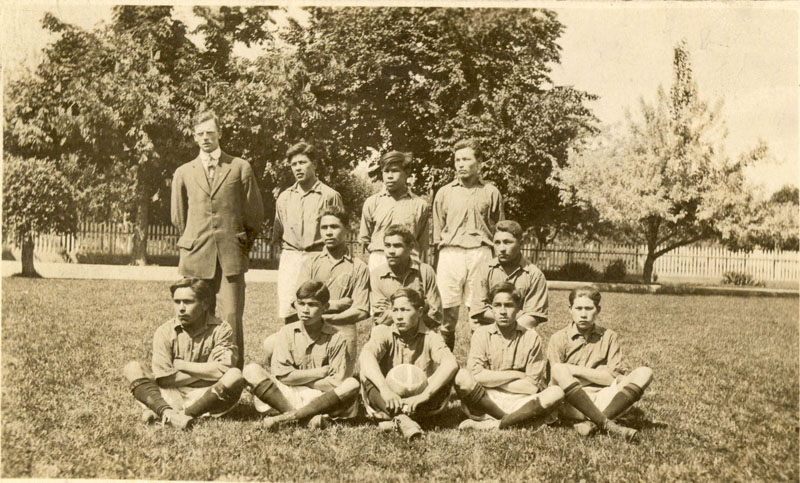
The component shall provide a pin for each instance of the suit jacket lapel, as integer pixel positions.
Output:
(199, 175)
(222, 171)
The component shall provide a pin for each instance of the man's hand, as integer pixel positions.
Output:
(411, 404)
(381, 305)
(393, 401)
(220, 354)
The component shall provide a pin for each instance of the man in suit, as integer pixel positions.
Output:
(216, 205)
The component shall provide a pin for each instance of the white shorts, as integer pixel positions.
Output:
(600, 396)
(181, 397)
(508, 402)
(288, 270)
(376, 259)
(455, 270)
(299, 396)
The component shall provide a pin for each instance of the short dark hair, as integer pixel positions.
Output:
(395, 157)
(589, 291)
(506, 287)
(469, 143)
(201, 288)
(204, 116)
(302, 147)
(510, 226)
(401, 231)
(315, 290)
(339, 212)
(416, 298)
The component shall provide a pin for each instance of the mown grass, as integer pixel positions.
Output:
(724, 404)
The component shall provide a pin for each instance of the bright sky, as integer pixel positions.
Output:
(744, 54)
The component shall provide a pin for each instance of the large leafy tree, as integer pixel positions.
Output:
(665, 180)
(773, 225)
(417, 79)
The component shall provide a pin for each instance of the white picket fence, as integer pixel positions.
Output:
(689, 261)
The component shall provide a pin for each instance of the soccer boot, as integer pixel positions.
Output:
(320, 421)
(178, 419)
(614, 429)
(274, 422)
(408, 427)
(585, 428)
(485, 425)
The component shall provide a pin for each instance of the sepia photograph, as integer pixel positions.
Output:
(362, 241)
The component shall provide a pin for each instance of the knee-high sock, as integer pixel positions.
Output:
(147, 392)
(319, 405)
(268, 392)
(479, 399)
(216, 396)
(575, 395)
(624, 399)
(528, 411)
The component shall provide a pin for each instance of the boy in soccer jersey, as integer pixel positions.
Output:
(402, 271)
(406, 341)
(509, 265)
(193, 364)
(395, 204)
(310, 378)
(505, 382)
(585, 362)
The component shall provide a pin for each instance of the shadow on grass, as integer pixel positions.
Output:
(26, 275)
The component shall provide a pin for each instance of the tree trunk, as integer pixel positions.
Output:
(647, 274)
(139, 252)
(27, 257)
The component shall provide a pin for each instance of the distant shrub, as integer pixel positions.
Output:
(615, 271)
(741, 279)
(579, 272)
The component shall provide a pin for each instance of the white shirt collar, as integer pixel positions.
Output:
(212, 158)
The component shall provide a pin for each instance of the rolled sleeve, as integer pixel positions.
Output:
(339, 360)
(437, 348)
(277, 226)
(225, 350)
(162, 353)
(480, 292)
(536, 366)
(478, 358)
(361, 287)
(556, 348)
(379, 342)
(439, 215)
(283, 362)
(367, 222)
(614, 359)
(536, 299)
(432, 297)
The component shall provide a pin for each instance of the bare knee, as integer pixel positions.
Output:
(641, 376)
(551, 396)
(464, 381)
(561, 375)
(348, 388)
(254, 374)
(133, 371)
(231, 378)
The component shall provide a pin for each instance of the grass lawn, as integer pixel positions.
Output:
(723, 406)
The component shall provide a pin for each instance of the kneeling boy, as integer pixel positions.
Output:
(311, 369)
(193, 362)
(506, 376)
(406, 341)
(586, 363)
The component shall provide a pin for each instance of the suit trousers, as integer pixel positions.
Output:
(230, 302)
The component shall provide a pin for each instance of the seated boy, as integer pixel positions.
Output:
(505, 383)
(406, 341)
(193, 362)
(586, 363)
(310, 379)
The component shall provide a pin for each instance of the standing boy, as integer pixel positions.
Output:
(505, 382)
(217, 208)
(402, 271)
(311, 372)
(465, 213)
(406, 341)
(193, 362)
(297, 214)
(586, 363)
(509, 266)
(395, 204)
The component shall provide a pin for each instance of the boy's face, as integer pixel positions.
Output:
(188, 309)
(302, 168)
(505, 310)
(394, 177)
(332, 231)
(506, 246)
(405, 316)
(467, 165)
(206, 135)
(396, 250)
(584, 312)
(309, 311)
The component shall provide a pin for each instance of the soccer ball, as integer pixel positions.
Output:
(406, 380)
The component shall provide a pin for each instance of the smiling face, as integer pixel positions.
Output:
(206, 135)
(406, 317)
(303, 168)
(467, 165)
(584, 312)
(188, 308)
(505, 310)
(332, 231)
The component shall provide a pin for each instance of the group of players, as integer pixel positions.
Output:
(313, 371)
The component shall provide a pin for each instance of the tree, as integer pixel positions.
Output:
(37, 199)
(773, 224)
(665, 180)
(417, 79)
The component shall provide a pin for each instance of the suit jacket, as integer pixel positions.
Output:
(219, 221)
